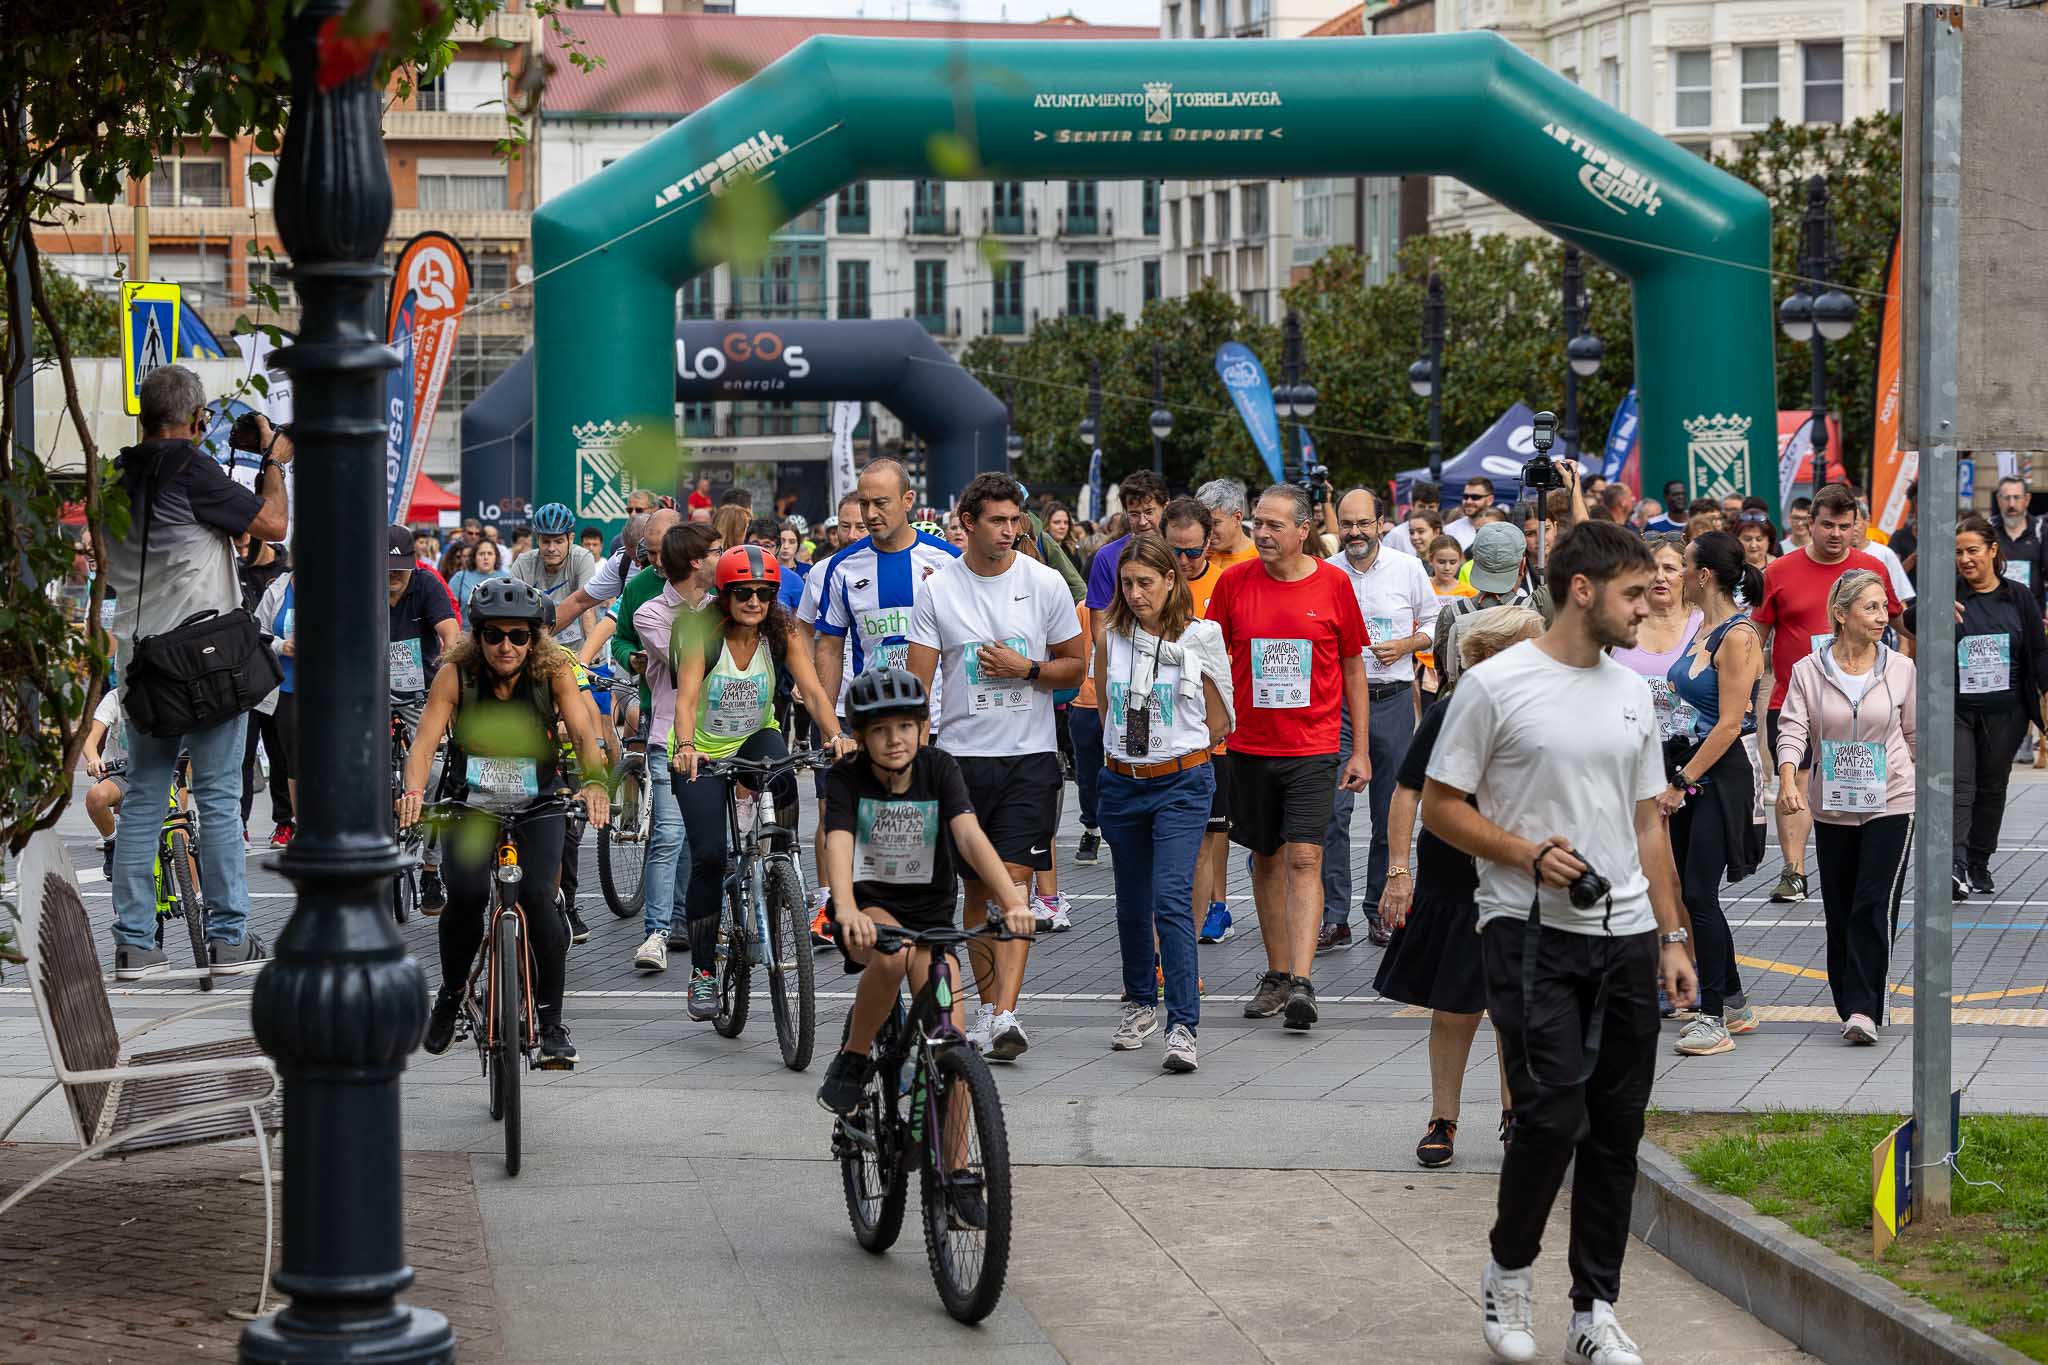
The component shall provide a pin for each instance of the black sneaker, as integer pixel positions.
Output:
(1269, 997)
(1980, 881)
(579, 932)
(1301, 1004)
(107, 860)
(433, 895)
(557, 1053)
(845, 1078)
(1436, 1147)
(441, 1023)
(968, 1210)
(1089, 850)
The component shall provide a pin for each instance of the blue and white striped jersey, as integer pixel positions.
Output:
(867, 596)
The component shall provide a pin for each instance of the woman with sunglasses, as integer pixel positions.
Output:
(500, 690)
(1759, 539)
(725, 680)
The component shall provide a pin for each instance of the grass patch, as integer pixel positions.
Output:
(1987, 1266)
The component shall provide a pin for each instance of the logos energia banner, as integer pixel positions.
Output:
(1891, 469)
(1622, 464)
(429, 291)
(1245, 379)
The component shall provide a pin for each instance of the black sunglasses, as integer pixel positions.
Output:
(757, 592)
(498, 635)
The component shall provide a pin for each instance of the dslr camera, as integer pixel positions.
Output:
(1315, 481)
(1589, 888)
(248, 435)
(1541, 474)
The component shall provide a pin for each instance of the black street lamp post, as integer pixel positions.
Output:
(1295, 399)
(1013, 444)
(1426, 376)
(1582, 350)
(342, 1005)
(1090, 430)
(1817, 312)
(1162, 418)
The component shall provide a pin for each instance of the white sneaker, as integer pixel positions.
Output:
(1180, 1049)
(1859, 1029)
(981, 1029)
(652, 956)
(1507, 1308)
(1007, 1040)
(1052, 914)
(1139, 1023)
(1595, 1338)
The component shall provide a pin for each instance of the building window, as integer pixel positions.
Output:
(458, 186)
(851, 211)
(476, 364)
(268, 272)
(1823, 63)
(1895, 86)
(809, 223)
(928, 207)
(1174, 218)
(1254, 210)
(1759, 85)
(256, 193)
(1254, 301)
(791, 284)
(1198, 207)
(1007, 318)
(700, 419)
(1081, 289)
(1083, 207)
(1223, 215)
(698, 300)
(853, 289)
(1692, 81)
(184, 182)
(1610, 80)
(1148, 199)
(471, 87)
(1148, 287)
(1173, 20)
(1256, 12)
(1007, 213)
(930, 294)
(1570, 73)
(493, 276)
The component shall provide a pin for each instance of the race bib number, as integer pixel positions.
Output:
(734, 707)
(1983, 664)
(1851, 776)
(408, 669)
(1676, 718)
(986, 694)
(1280, 673)
(2020, 571)
(1819, 643)
(1381, 630)
(503, 777)
(896, 842)
(889, 654)
(1161, 707)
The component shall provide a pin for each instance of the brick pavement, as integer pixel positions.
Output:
(145, 1260)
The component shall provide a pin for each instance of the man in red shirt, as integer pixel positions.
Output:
(1296, 641)
(700, 496)
(1795, 606)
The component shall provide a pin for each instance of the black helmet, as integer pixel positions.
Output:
(886, 692)
(507, 599)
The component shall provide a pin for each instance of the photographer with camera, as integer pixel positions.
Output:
(1556, 744)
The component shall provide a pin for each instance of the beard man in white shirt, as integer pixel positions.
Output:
(1548, 768)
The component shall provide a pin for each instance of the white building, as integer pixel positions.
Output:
(876, 249)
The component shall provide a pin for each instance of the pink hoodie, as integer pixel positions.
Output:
(1816, 709)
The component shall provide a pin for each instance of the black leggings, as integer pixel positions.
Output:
(703, 806)
(469, 899)
(1699, 845)
(1985, 744)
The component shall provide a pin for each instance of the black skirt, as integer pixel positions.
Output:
(1433, 960)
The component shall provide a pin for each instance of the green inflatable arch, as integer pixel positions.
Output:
(1693, 241)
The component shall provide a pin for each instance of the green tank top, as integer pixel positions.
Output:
(735, 703)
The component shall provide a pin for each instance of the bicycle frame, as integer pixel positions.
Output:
(506, 875)
(743, 881)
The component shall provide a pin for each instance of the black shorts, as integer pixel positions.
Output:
(1219, 804)
(1017, 802)
(908, 919)
(1771, 741)
(1281, 800)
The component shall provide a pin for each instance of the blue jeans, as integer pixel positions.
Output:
(1393, 725)
(661, 901)
(1154, 831)
(1084, 726)
(223, 869)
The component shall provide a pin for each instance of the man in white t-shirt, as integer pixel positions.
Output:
(1549, 766)
(999, 629)
(1478, 495)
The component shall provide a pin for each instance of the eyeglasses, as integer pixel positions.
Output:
(1756, 518)
(499, 635)
(752, 592)
(1663, 538)
(1473, 497)
(1190, 552)
(1357, 525)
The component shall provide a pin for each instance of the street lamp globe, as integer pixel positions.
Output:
(1015, 445)
(1304, 400)
(1087, 432)
(1421, 378)
(1162, 423)
(1283, 401)
(1584, 353)
(1795, 317)
(1834, 314)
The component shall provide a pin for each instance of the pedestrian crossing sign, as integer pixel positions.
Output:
(149, 334)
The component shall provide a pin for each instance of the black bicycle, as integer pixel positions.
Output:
(930, 1098)
(412, 843)
(622, 844)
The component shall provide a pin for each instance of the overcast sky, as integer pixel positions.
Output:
(1141, 12)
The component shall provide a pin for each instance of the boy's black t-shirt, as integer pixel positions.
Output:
(903, 859)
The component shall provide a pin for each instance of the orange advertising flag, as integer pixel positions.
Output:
(1891, 469)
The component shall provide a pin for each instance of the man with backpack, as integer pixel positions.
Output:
(1498, 555)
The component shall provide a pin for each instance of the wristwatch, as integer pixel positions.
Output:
(1397, 872)
(1675, 936)
(1032, 676)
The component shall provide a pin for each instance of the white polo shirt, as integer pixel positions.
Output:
(1397, 600)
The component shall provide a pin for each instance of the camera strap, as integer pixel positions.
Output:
(1532, 938)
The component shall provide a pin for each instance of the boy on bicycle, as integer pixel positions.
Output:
(896, 816)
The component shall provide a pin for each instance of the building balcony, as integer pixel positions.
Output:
(510, 27)
(1023, 223)
(1002, 324)
(209, 222)
(477, 125)
(940, 224)
(464, 225)
(939, 324)
(1102, 224)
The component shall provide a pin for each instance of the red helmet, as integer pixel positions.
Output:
(748, 564)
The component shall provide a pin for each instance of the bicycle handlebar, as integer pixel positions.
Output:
(441, 812)
(890, 938)
(771, 768)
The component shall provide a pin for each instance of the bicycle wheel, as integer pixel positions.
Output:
(622, 844)
(185, 877)
(735, 971)
(792, 979)
(405, 894)
(510, 1007)
(871, 1157)
(967, 1202)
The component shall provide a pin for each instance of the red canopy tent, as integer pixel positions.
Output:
(428, 499)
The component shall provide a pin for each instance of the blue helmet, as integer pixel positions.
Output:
(553, 519)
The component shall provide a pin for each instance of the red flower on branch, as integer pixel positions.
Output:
(344, 56)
